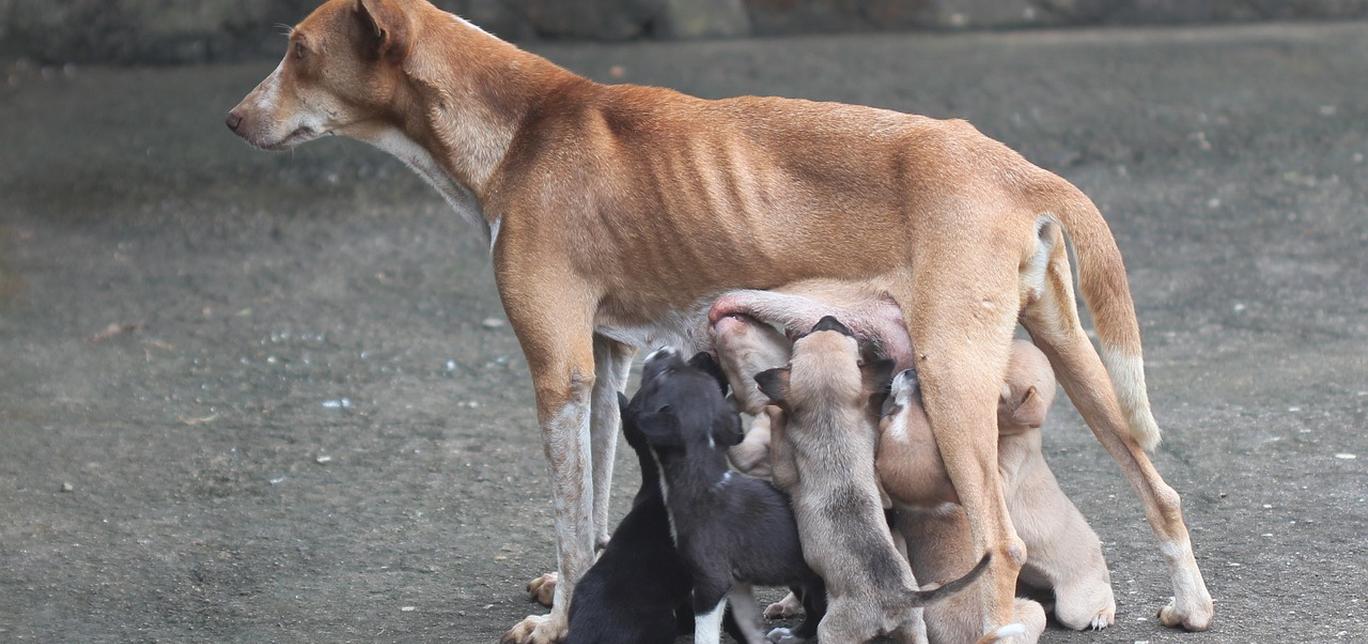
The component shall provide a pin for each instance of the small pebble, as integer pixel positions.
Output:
(1345, 456)
(408, 609)
(492, 323)
(323, 459)
(340, 403)
(67, 487)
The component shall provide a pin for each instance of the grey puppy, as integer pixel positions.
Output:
(822, 451)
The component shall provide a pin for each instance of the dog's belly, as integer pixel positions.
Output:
(683, 328)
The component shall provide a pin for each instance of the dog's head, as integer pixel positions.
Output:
(827, 370)
(745, 346)
(342, 74)
(680, 406)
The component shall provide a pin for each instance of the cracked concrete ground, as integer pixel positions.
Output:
(300, 426)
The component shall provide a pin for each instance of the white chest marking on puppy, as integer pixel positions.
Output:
(665, 497)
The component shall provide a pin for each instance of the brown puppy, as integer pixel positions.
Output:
(747, 344)
(615, 214)
(823, 456)
(1065, 555)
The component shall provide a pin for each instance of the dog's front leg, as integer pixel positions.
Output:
(558, 343)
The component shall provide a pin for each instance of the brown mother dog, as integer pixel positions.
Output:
(615, 213)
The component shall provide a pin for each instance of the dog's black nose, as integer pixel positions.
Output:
(234, 121)
(830, 323)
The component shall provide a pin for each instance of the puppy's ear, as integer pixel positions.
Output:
(1027, 411)
(386, 26)
(728, 432)
(705, 361)
(830, 323)
(774, 383)
(660, 428)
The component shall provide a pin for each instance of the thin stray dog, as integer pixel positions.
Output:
(823, 455)
(615, 214)
(1065, 555)
(732, 532)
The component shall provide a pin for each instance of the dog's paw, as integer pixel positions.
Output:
(784, 636)
(785, 608)
(1193, 615)
(536, 629)
(1104, 618)
(543, 588)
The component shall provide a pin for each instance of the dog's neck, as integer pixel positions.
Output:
(465, 97)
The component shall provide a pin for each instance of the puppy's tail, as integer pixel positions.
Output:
(924, 597)
(1102, 281)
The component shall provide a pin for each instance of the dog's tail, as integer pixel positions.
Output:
(1102, 281)
(924, 597)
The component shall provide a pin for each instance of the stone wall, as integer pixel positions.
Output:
(176, 31)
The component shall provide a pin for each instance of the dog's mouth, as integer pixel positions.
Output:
(302, 134)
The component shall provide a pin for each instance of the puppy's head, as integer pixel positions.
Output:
(826, 370)
(680, 406)
(340, 74)
(1027, 391)
(745, 347)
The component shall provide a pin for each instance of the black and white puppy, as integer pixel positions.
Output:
(732, 532)
(638, 590)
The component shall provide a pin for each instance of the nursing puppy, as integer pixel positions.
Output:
(822, 453)
(638, 590)
(751, 331)
(731, 532)
(1063, 553)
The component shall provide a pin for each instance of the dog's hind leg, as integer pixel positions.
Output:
(612, 362)
(961, 303)
(1051, 317)
(746, 613)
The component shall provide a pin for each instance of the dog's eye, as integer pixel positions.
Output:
(300, 50)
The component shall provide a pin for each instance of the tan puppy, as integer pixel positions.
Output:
(1065, 555)
(615, 214)
(823, 456)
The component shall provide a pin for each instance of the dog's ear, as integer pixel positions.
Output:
(1027, 411)
(774, 383)
(660, 427)
(830, 323)
(728, 432)
(705, 362)
(877, 376)
(387, 26)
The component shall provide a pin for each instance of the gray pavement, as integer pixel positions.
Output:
(301, 428)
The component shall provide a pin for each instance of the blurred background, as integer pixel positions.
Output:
(254, 397)
(197, 31)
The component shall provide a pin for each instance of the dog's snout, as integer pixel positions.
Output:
(234, 120)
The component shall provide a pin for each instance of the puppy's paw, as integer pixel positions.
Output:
(784, 636)
(1192, 615)
(785, 608)
(536, 629)
(1104, 618)
(543, 588)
